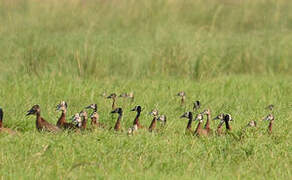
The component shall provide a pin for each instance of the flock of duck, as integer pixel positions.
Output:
(79, 120)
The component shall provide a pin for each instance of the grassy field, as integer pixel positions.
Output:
(234, 56)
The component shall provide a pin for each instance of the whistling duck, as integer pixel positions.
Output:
(138, 109)
(270, 107)
(207, 112)
(62, 120)
(227, 119)
(41, 124)
(182, 94)
(77, 120)
(113, 96)
(132, 130)
(83, 115)
(270, 118)
(152, 126)
(196, 106)
(219, 127)
(128, 95)
(118, 123)
(188, 115)
(199, 130)
(162, 119)
(252, 124)
(3, 129)
(94, 116)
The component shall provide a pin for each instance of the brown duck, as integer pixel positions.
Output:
(62, 119)
(113, 96)
(41, 124)
(152, 126)
(118, 122)
(270, 118)
(188, 115)
(138, 109)
(199, 130)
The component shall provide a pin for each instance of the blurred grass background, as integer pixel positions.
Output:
(145, 39)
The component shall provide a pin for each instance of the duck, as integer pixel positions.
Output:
(152, 126)
(251, 124)
(271, 118)
(270, 107)
(61, 123)
(227, 119)
(199, 130)
(128, 95)
(182, 94)
(132, 130)
(118, 122)
(219, 127)
(197, 105)
(188, 115)
(113, 96)
(138, 109)
(94, 116)
(76, 119)
(162, 118)
(41, 123)
(3, 129)
(207, 112)
(84, 117)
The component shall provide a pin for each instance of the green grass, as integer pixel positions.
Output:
(235, 57)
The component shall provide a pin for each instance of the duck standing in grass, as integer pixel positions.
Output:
(41, 123)
(182, 94)
(197, 105)
(270, 118)
(252, 124)
(128, 95)
(94, 116)
(207, 112)
(227, 120)
(199, 130)
(113, 96)
(84, 117)
(62, 120)
(162, 119)
(188, 115)
(3, 129)
(219, 127)
(118, 122)
(152, 126)
(138, 109)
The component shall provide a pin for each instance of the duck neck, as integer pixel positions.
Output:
(84, 122)
(207, 125)
(219, 128)
(199, 127)
(227, 125)
(189, 126)
(94, 121)
(38, 120)
(270, 126)
(118, 123)
(183, 100)
(136, 121)
(62, 118)
(114, 104)
(153, 124)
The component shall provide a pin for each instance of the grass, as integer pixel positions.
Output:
(233, 56)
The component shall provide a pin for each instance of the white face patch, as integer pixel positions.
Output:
(199, 117)
(269, 117)
(77, 119)
(154, 112)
